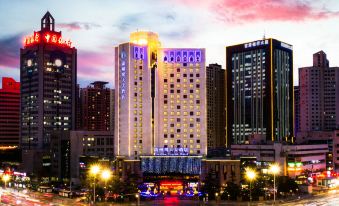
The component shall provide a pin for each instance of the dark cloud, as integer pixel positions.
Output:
(78, 26)
(170, 17)
(10, 50)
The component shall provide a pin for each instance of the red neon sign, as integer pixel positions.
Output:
(47, 37)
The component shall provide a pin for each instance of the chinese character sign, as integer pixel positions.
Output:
(123, 75)
(47, 37)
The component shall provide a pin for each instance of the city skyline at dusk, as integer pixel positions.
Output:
(170, 102)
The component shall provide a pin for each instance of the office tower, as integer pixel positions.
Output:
(318, 85)
(180, 121)
(135, 62)
(96, 107)
(48, 88)
(296, 110)
(216, 113)
(9, 112)
(259, 96)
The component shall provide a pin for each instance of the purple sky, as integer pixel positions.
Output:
(95, 27)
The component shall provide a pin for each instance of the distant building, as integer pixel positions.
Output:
(296, 110)
(59, 156)
(9, 112)
(319, 87)
(331, 138)
(96, 107)
(48, 91)
(88, 147)
(216, 107)
(293, 159)
(259, 96)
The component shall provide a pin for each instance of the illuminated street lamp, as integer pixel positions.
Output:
(94, 170)
(5, 178)
(274, 169)
(138, 199)
(250, 175)
(106, 175)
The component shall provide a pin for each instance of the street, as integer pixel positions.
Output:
(11, 197)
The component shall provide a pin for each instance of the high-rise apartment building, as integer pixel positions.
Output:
(318, 85)
(216, 113)
(48, 87)
(259, 99)
(96, 107)
(180, 115)
(9, 112)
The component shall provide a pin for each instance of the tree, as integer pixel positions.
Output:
(211, 185)
(286, 185)
(231, 191)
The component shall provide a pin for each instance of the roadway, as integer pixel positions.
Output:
(11, 197)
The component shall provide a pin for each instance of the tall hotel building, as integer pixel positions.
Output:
(259, 97)
(319, 87)
(135, 62)
(48, 88)
(160, 99)
(9, 112)
(181, 100)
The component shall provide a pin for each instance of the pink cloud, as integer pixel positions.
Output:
(242, 11)
(96, 66)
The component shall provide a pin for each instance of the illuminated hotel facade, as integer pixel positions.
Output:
(259, 96)
(160, 93)
(134, 63)
(180, 101)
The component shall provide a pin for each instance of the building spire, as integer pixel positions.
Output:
(47, 22)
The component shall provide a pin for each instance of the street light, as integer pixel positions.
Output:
(250, 175)
(5, 178)
(106, 175)
(94, 170)
(216, 197)
(138, 199)
(274, 169)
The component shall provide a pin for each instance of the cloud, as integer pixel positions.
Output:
(10, 50)
(94, 66)
(145, 19)
(78, 26)
(235, 11)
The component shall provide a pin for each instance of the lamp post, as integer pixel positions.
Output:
(94, 170)
(106, 175)
(274, 169)
(250, 175)
(216, 197)
(5, 178)
(138, 199)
